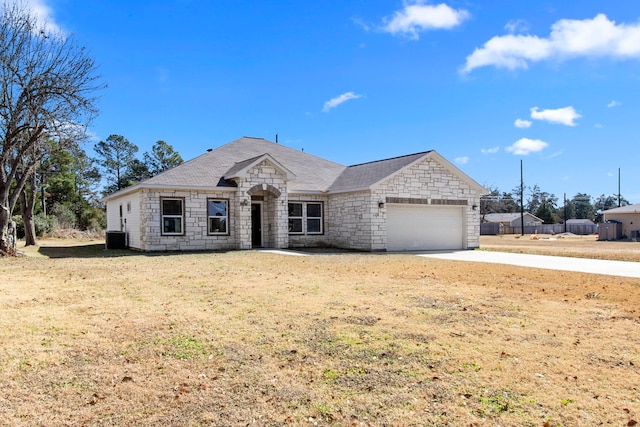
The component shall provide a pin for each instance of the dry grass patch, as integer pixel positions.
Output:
(90, 337)
(564, 245)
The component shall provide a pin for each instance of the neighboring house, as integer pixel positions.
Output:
(628, 216)
(580, 226)
(512, 219)
(253, 193)
(580, 222)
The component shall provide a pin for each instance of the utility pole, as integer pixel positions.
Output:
(565, 212)
(521, 200)
(619, 195)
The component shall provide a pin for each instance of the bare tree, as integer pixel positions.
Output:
(47, 83)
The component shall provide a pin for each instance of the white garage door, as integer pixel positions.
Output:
(420, 227)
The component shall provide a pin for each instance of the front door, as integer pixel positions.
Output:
(256, 225)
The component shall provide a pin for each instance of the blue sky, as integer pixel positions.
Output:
(484, 83)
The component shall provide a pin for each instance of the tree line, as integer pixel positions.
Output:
(65, 188)
(48, 86)
(547, 206)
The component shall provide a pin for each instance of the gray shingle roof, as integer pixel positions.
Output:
(358, 177)
(506, 217)
(312, 173)
(624, 209)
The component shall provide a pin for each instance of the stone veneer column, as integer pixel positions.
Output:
(282, 220)
(243, 217)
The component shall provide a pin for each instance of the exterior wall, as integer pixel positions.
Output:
(529, 220)
(113, 214)
(311, 240)
(434, 184)
(195, 235)
(268, 181)
(349, 221)
(130, 221)
(630, 221)
(354, 220)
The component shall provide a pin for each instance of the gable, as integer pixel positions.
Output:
(433, 171)
(367, 176)
(241, 169)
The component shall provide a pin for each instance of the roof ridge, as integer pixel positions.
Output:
(391, 158)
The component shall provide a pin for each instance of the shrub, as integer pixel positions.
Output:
(43, 224)
(64, 216)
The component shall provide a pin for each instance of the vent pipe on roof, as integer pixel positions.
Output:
(276, 138)
(209, 150)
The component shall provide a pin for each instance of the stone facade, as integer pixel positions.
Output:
(351, 219)
(312, 240)
(349, 223)
(195, 235)
(436, 185)
(267, 183)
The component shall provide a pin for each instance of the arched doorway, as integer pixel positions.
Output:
(264, 199)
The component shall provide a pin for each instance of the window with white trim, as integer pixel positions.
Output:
(172, 216)
(218, 216)
(295, 218)
(314, 218)
(305, 218)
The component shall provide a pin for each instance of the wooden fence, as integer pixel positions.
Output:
(492, 229)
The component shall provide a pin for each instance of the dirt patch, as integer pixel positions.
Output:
(94, 337)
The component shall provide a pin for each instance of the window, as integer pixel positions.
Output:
(305, 218)
(295, 218)
(218, 214)
(172, 216)
(314, 218)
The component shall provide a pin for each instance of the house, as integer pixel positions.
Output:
(580, 222)
(628, 216)
(581, 226)
(512, 219)
(253, 193)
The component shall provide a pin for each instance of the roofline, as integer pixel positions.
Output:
(351, 190)
(254, 162)
(622, 210)
(446, 163)
(391, 158)
(142, 186)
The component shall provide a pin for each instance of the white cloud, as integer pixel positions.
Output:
(490, 150)
(334, 102)
(564, 116)
(517, 26)
(462, 160)
(526, 146)
(569, 38)
(522, 124)
(613, 104)
(416, 17)
(42, 12)
(598, 125)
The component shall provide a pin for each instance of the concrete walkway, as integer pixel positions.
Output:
(582, 265)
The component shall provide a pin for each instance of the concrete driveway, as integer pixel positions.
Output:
(582, 265)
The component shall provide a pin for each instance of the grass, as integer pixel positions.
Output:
(108, 338)
(561, 245)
